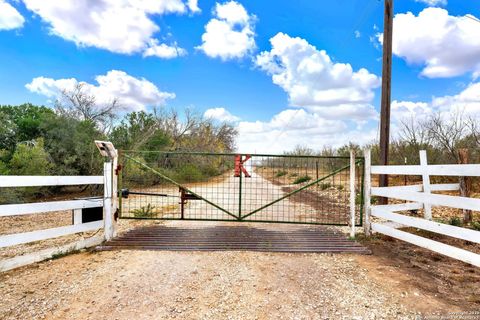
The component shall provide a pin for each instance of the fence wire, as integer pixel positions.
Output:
(264, 188)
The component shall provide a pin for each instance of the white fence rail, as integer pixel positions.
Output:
(108, 180)
(420, 197)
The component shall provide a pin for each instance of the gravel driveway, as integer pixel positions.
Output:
(211, 285)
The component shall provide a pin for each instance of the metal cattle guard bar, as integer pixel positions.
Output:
(235, 187)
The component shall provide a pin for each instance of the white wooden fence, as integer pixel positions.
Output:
(108, 180)
(421, 197)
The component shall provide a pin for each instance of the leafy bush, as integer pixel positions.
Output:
(280, 174)
(189, 173)
(455, 221)
(340, 187)
(358, 198)
(210, 171)
(325, 185)
(30, 159)
(476, 225)
(302, 179)
(138, 174)
(144, 212)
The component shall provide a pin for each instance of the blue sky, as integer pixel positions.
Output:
(221, 57)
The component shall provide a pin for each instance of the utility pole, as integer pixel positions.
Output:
(386, 89)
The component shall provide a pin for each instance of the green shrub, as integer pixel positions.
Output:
(30, 159)
(138, 174)
(144, 212)
(455, 221)
(476, 225)
(302, 179)
(210, 171)
(325, 185)
(189, 173)
(293, 175)
(340, 187)
(280, 174)
(358, 198)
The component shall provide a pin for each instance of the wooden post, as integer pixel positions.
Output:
(386, 90)
(107, 200)
(465, 184)
(427, 208)
(352, 193)
(115, 213)
(367, 191)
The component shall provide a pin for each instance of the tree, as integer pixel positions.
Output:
(78, 103)
(70, 145)
(21, 123)
(30, 158)
(447, 133)
(139, 130)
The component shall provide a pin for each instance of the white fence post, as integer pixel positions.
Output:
(352, 193)
(107, 200)
(426, 183)
(77, 216)
(367, 191)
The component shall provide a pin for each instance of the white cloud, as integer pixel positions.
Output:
(230, 34)
(118, 26)
(466, 102)
(313, 81)
(132, 93)
(433, 3)
(163, 51)
(404, 110)
(445, 45)
(358, 34)
(10, 18)
(286, 130)
(193, 6)
(220, 114)
(333, 100)
(292, 127)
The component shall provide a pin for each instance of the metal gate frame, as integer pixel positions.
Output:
(240, 217)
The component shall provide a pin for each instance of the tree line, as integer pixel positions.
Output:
(38, 140)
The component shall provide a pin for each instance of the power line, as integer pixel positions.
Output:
(472, 17)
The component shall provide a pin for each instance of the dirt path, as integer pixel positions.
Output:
(213, 285)
(217, 285)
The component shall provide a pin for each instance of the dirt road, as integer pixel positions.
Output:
(213, 285)
(216, 285)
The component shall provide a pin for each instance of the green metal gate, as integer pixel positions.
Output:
(238, 187)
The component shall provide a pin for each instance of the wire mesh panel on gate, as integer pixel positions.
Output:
(209, 186)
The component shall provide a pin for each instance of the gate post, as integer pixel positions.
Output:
(352, 193)
(110, 194)
(367, 192)
(107, 200)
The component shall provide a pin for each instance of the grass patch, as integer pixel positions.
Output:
(455, 221)
(476, 225)
(62, 254)
(325, 185)
(358, 198)
(302, 179)
(291, 175)
(280, 174)
(144, 212)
